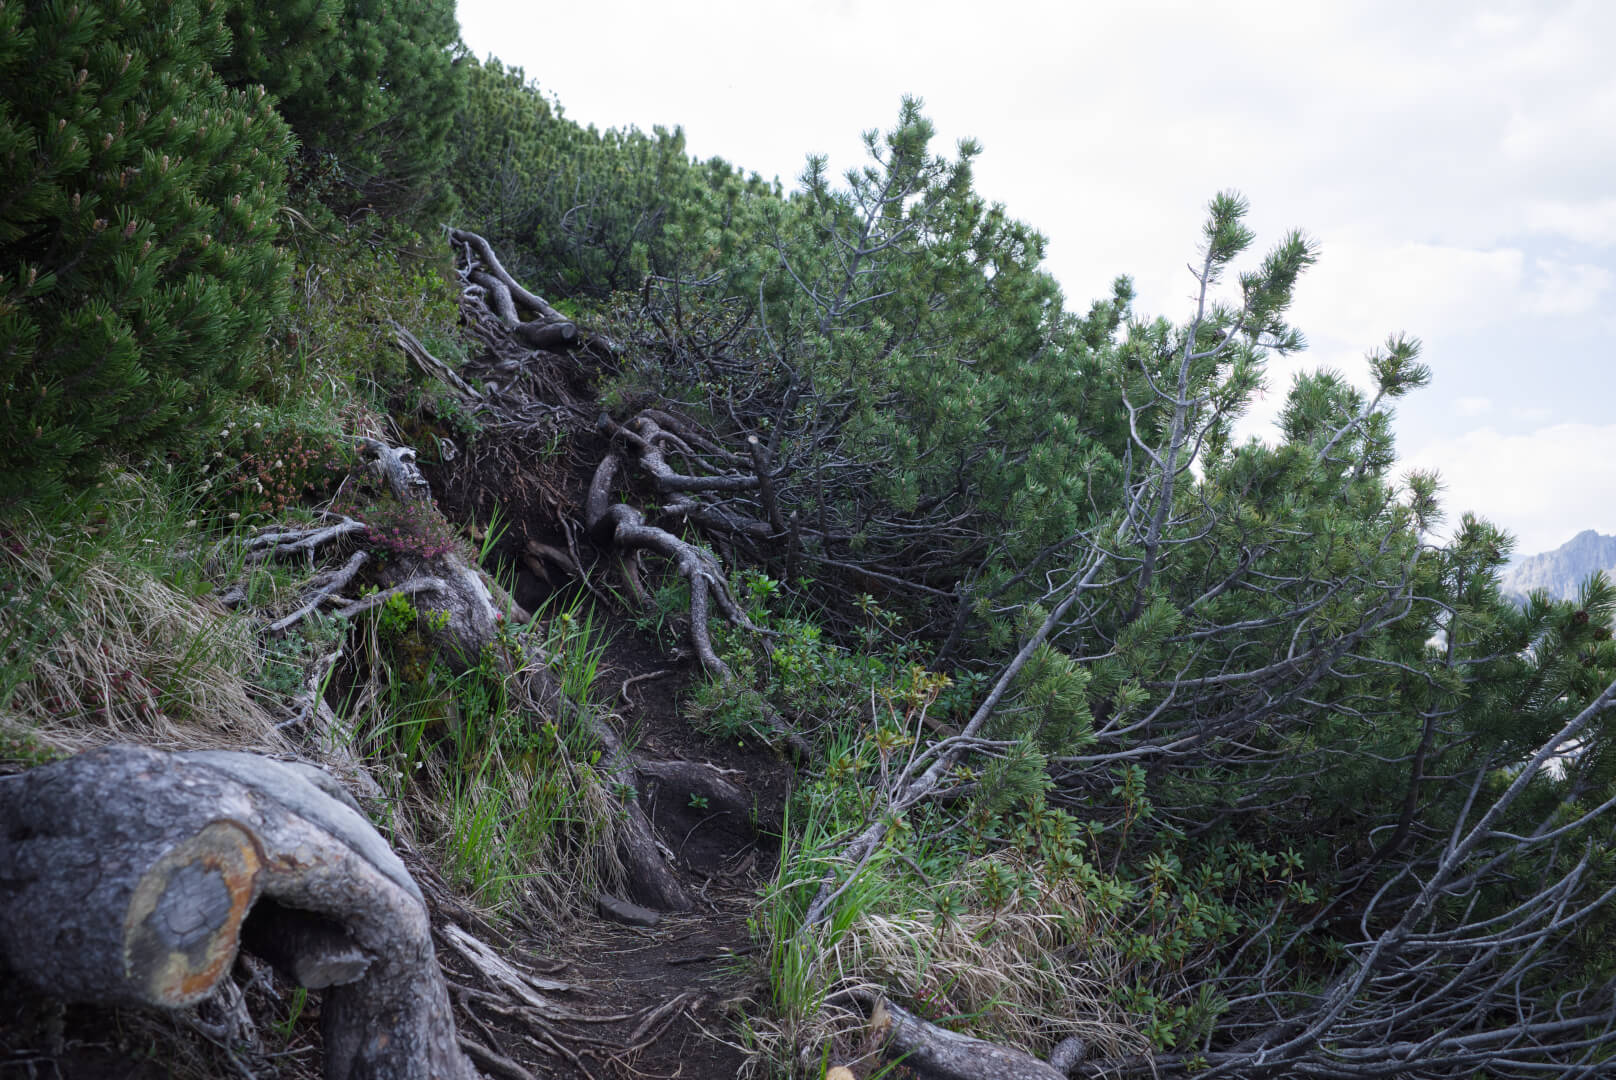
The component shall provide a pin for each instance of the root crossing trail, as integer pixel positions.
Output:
(657, 1001)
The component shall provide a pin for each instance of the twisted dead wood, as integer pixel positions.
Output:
(617, 524)
(507, 293)
(129, 876)
(933, 1053)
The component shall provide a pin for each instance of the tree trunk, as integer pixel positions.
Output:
(128, 875)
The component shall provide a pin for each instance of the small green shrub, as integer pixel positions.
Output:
(415, 528)
(513, 798)
(260, 461)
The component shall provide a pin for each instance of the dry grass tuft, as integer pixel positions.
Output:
(1026, 975)
(96, 646)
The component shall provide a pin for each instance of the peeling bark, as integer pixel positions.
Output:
(396, 467)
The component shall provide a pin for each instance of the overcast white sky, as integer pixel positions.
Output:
(1454, 159)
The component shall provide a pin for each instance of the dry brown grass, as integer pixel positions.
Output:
(99, 647)
(1016, 976)
(104, 638)
(109, 633)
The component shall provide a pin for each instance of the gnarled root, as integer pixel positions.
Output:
(615, 524)
(550, 329)
(695, 778)
(651, 879)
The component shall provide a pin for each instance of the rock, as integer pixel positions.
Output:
(1561, 571)
(1068, 1054)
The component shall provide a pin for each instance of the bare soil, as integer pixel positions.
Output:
(668, 997)
(705, 955)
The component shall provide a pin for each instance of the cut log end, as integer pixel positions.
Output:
(183, 925)
(127, 876)
(546, 335)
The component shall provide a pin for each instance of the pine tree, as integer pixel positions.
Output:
(370, 88)
(581, 211)
(137, 264)
(973, 421)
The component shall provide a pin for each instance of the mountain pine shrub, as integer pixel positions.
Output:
(137, 265)
(370, 88)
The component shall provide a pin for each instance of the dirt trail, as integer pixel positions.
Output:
(671, 992)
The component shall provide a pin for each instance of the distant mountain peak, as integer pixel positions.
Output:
(1561, 571)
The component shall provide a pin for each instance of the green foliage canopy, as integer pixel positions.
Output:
(370, 88)
(584, 213)
(137, 260)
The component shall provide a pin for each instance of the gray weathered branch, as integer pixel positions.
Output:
(934, 1053)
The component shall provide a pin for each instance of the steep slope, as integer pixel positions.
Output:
(1561, 571)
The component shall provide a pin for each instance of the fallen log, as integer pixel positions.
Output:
(934, 1053)
(131, 876)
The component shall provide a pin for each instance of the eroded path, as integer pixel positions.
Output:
(658, 1001)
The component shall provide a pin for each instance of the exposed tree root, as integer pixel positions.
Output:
(696, 778)
(618, 526)
(651, 877)
(621, 525)
(495, 1064)
(285, 543)
(432, 365)
(325, 588)
(505, 292)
